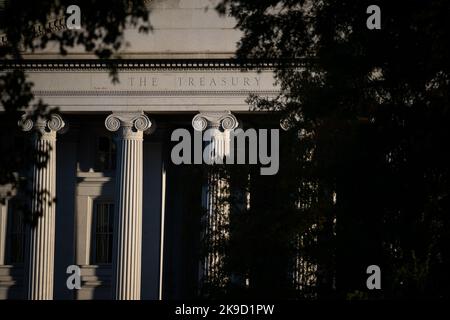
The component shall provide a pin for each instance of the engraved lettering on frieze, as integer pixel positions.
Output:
(143, 82)
(158, 82)
(215, 82)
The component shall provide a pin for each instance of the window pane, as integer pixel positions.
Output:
(15, 240)
(103, 228)
(106, 154)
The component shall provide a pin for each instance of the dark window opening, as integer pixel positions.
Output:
(103, 233)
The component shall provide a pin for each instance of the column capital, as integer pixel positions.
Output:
(132, 124)
(47, 127)
(218, 126)
(219, 120)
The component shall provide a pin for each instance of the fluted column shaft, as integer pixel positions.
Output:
(128, 204)
(217, 127)
(41, 235)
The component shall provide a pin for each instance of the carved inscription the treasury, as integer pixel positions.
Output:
(157, 81)
(195, 81)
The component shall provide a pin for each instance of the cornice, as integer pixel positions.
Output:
(149, 64)
(142, 93)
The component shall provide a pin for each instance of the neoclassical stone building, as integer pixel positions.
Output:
(124, 211)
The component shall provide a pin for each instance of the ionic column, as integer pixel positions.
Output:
(41, 237)
(218, 128)
(127, 248)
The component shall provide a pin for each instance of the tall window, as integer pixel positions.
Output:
(106, 154)
(15, 238)
(103, 233)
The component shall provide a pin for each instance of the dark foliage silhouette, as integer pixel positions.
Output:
(364, 175)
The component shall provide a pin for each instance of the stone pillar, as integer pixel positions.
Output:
(126, 282)
(217, 127)
(41, 236)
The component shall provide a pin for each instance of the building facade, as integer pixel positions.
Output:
(125, 214)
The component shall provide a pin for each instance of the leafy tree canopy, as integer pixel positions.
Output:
(368, 147)
(27, 26)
